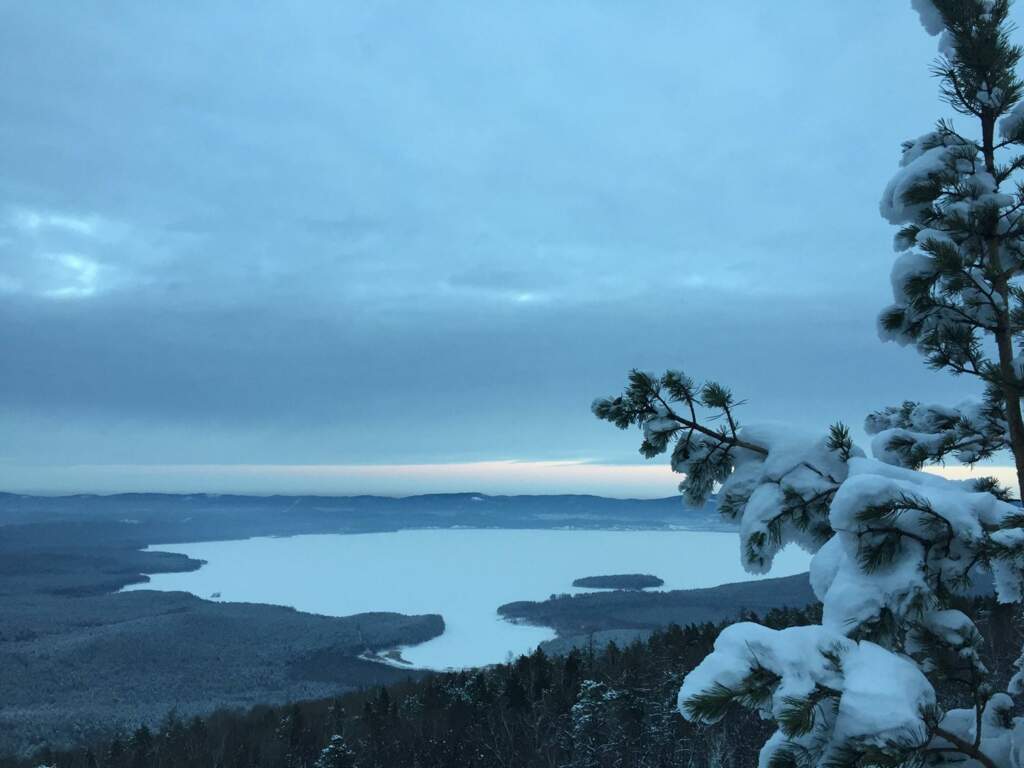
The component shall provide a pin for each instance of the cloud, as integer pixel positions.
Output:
(430, 233)
(51, 254)
(34, 221)
(78, 276)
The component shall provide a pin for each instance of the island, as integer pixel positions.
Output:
(619, 581)
(622, 616)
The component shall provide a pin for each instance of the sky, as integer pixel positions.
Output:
(397, 247)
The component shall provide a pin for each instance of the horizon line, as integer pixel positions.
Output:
(504, 477)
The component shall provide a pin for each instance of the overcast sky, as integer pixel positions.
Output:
(235, 237)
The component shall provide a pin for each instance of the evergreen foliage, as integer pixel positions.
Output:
(896, 551)
(958, 201)
(597, 708)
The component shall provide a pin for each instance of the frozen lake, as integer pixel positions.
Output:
(462, 574)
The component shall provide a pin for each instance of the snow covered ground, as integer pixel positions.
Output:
(463, 574)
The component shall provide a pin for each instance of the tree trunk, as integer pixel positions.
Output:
(1011, 396)
(1004, 331)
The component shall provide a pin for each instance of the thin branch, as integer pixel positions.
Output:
(966, 747)
(693, 425)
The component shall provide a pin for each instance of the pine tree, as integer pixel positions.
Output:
(595, 729)
(956, 284)
(337, 754)
(895, 549)
(294, 733)
(140, 747)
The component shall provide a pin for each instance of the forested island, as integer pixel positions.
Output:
(619, 581)
(623, 616)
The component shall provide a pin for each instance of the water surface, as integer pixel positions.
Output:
(462, 574)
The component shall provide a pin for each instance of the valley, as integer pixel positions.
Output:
(99, 631)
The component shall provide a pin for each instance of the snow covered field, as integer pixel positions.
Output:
(462, 574)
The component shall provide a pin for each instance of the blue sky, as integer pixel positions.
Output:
(423, 236)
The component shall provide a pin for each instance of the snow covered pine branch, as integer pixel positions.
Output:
(895, 549)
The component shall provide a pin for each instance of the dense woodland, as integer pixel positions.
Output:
(593, 708)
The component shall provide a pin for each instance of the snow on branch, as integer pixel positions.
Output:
(832, 696)
(929, 15)
(914, 434)
(905, 541)
(776, 483)
(951, 207)
(699, 420)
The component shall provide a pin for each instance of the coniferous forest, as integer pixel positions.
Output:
(592, 708)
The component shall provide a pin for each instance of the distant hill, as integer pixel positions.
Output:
(146, 518)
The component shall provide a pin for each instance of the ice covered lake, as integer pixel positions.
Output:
(462, 574)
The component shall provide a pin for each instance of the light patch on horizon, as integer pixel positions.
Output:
(490, 477)
(506, 477)
(1005, 475)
